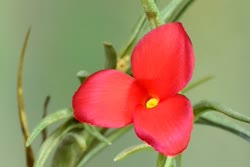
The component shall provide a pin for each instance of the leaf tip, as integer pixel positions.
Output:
(117, 158)
(28, 142)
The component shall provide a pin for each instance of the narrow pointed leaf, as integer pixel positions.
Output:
(225, 124)
(70, 150)
(204, 106)
(174, 9)
(134, 37)
(53, 140)
(79, 139)
(50, 119)
(197, 83)
(93, 131)
(110, 56)
(111, 137)
(131, 150)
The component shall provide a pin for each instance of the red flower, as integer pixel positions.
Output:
(162, 64)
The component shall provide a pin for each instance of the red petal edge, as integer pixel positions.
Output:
(163, 60)
(167, 127)
(104, 99)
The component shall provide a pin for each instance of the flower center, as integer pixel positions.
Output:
(152, 102)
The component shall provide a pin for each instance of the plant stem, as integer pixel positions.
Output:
(45, 111)
(170, 162)
(161, 160)
(20, 101)
(152, 13)
(178, 160)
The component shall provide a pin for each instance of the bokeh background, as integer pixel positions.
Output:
(67, 37)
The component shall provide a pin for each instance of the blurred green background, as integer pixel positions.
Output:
(67, 37)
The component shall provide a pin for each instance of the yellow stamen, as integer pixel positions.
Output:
(152, 102)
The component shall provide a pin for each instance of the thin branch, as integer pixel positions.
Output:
(45, 111)
(20, 100)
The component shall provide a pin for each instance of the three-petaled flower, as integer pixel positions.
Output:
(162, 64)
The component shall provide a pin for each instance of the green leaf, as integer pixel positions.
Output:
(197, 83)
(204, 106)
(217, 121)
(50, 119)
(79, 138)
(53, 140)
(94, 131)
(115, 134)
(110, 56)
(175, 9)
(70, 150)
(133, 39)
(131, 150)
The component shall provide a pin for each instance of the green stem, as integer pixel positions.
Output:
(197, 83)
(204, 106)
(152, 13)
(169, 162)
(161, 160)
(178, 160)
(111, 137)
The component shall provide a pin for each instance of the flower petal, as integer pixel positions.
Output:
(104, 99)
(167, 127)
(163, 60)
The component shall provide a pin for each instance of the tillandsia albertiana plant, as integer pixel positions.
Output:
(141, 88)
